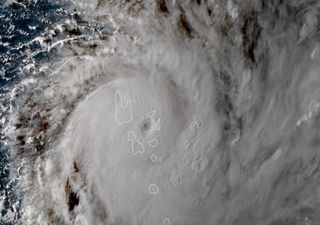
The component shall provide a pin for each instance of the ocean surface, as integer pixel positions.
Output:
(169, 112)
(20, 24)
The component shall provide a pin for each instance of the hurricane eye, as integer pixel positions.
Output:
(145, 125)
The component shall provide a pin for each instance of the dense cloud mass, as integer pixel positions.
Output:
(177, 113)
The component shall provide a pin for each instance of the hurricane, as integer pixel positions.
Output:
(159, 112)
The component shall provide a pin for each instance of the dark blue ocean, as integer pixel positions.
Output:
(20, 23)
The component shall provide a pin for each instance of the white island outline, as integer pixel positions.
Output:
(166, 221)
(154, 189)
(136, 145)
(153, 143)
(123, 112)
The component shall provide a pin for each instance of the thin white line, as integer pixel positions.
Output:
(153, 189)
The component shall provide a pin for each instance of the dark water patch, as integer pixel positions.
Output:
(72, 198)
(162, 6)
(20, 24)
(251, 32)
(185, 25)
